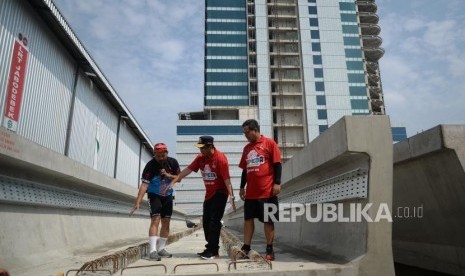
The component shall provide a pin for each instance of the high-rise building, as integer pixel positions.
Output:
(297, 66)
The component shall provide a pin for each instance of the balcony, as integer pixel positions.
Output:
(371, 41)
(368, 17)
(367, 6)
(370, 29)
(373, 55)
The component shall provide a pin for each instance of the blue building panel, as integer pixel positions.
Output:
(227, 51)
(226, 90)
(359, 104)
(209, 130)
(227, 102)
(398, 133)
(358, 90)
(227, 26)
(219, 38)
(226, 14)
(226, 63)
(226, 3)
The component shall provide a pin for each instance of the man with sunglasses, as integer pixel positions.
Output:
(215, 173)
(156, 178)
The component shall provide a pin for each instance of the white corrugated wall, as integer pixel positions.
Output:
(47, 96)
(49, 76)
(94, 120)
(127, 169)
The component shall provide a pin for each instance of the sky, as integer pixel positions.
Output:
(151, 51)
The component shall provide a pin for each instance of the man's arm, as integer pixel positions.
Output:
(277, 170)
(178, 178)
(231, 193)
(243, 183)
(142, 190)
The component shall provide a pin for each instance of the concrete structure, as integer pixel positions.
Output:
(54, 207)
(297, 66)
(429, 186)
(347, 165)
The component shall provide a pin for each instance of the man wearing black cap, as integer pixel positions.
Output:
(215, 173)
(156, 177)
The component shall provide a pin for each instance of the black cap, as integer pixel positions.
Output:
(204, 141)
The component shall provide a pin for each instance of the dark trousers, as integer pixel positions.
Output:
(213, 210)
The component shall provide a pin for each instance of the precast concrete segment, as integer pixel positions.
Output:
(428, 205)
(121, 259)
(184, 252)
(37, 231)
(352, 143)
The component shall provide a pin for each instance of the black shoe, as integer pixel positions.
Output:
(270, 255)
(203, 252)
(208, 255)
(244, 253)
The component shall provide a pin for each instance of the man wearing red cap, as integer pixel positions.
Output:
(215, 174)
(156, 178)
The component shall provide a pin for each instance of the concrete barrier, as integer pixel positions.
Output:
(428, 201)
(349, 164)
(52, 207)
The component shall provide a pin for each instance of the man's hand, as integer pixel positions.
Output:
(233, 204)
(242, 193)
(276, 189)
(136, 207)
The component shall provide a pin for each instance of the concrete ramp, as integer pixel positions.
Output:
(349, 166)
(429, 205)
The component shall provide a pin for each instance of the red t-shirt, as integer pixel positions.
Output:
(215, 170)
(259, 159)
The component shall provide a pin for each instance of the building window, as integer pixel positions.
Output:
(350, 29)
(314, 22)
(322, 114)
(315, 34)
(345, 6)
(352, 41)
(319, 86)
(316, 47)
(317, 60)
(312, 10)
(322, 128)
(347, 17)
(318, 72)
(320, 100)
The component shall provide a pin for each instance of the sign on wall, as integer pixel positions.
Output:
(15, 85)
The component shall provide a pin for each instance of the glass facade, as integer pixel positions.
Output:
(226, 49)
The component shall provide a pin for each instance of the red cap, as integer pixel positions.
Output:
(161, 147)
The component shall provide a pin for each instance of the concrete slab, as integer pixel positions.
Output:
(184, 252)
(62, 263)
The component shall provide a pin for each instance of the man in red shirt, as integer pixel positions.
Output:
(215, 174)
(261, 170)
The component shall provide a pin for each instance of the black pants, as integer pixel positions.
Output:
(213, 210)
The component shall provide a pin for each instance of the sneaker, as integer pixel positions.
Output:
(269, 255)
(163, 253)
(245, 254)
(203, 252)
(154, 256)
(208, 255)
